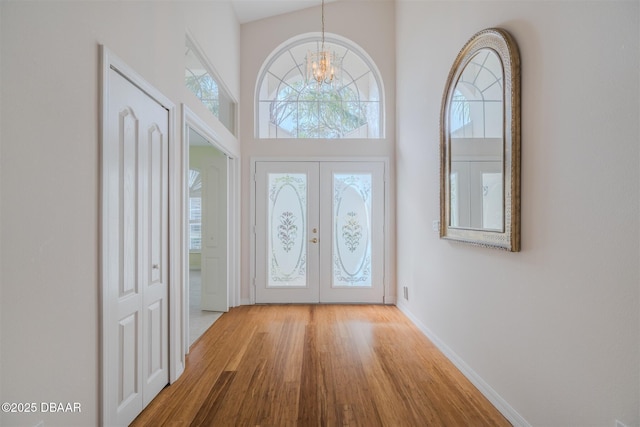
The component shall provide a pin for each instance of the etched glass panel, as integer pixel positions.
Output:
(287, 255)
(352, 230)
(492, 215)
(454, 199)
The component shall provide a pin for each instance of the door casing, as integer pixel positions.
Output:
(175, 331)
(225, 144)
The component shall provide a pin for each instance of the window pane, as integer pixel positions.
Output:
(195, 223)
(301, 109)
(195, 208)
(200, 80)
(195, 237)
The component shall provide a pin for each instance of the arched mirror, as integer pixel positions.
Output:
(480, 144)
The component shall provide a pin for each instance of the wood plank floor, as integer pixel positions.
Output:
(318, 365)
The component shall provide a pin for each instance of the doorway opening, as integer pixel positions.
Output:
(207, 234)
(207, 208)
(210, 235)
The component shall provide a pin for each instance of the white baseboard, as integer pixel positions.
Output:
(390, 300)
(496, 400)
(387, 301)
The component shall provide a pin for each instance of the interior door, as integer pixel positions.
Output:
(319, 232)
(136, 235)
(214, 231)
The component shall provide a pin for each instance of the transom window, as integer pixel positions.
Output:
(201, 80)
(287, 106)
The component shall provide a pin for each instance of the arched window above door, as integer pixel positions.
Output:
(287, 106)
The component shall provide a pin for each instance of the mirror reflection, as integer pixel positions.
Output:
(480, 144)
(476, 132)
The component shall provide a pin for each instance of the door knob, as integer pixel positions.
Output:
(155, 266)
(314, 240)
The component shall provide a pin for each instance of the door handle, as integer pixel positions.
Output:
(314, 240)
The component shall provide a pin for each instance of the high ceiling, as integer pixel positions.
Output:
(252, 10)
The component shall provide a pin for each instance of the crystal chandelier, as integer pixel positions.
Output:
(323, 66)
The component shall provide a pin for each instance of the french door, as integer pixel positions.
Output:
(319, 232)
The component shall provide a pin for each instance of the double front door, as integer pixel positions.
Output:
(319, 232)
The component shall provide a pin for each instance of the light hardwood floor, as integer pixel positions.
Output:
(318, 365)
(199, 320)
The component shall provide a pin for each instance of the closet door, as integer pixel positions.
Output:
(135, 258)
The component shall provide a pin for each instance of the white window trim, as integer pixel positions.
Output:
(191, 42)
(330, 38)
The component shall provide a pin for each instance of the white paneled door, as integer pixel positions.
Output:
(136, 244)
(214, 231)
(319, 232)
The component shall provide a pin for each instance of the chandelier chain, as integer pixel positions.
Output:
(322, 24)
(323, 66)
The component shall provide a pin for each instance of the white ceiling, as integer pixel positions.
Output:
(252, 10)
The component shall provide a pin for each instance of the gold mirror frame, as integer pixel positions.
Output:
(502, 44)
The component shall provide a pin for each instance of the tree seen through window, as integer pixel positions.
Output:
(287, 106)
(309, 111)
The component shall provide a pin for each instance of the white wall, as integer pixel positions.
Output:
(260, 38)
(554, 329)
(49, 167)
(1, 316)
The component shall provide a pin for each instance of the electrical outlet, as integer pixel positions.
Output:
(406, 292)
(435, 225)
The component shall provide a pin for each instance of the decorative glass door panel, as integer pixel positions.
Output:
(319, 232)
(352, 230)
(492, 194)
(286, 222)
(287, 229)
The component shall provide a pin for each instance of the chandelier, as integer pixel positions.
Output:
(323, 66)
